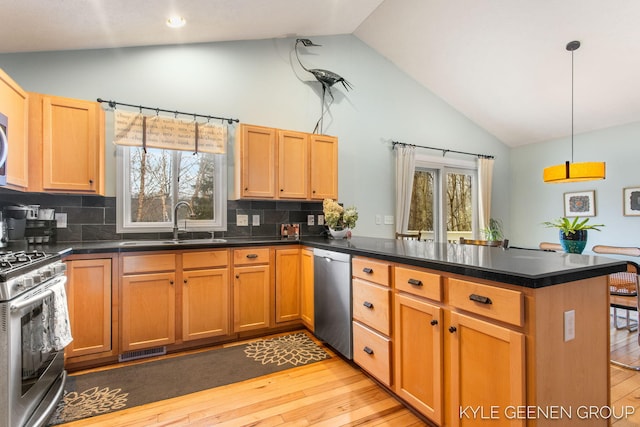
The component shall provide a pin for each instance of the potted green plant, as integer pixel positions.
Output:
(573, 234)
(493, 231)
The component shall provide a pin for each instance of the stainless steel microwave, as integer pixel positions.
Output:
(4, 148)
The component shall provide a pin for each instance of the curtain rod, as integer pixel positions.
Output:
(113, 104)
(444, 150)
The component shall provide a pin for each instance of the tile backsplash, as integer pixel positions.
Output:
(91, 218)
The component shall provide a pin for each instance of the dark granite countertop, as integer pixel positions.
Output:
(529, 268)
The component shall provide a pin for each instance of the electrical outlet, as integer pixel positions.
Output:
(569, 325)
(388, 219)
(242, 220)
(256, 220)
(320, 219)
(310, 220)
(61, 220)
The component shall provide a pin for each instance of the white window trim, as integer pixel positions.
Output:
(124, 225)
(443, 164)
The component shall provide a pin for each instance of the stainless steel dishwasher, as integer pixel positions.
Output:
(332, 300)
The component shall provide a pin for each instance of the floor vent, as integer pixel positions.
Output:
(141, 354)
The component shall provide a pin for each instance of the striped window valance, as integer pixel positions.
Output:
(137, 130)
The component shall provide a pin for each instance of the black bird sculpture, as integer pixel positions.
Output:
(325, 77)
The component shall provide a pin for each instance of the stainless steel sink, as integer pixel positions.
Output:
(171, 242)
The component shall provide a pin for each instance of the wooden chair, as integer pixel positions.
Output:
(502, 243)
(408, 236)
(623, 291)
(551, 247)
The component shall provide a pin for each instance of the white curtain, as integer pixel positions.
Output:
(485, 179)
(405, 167)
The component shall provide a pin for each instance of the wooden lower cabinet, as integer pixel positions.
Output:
(89, 297)
(287, 294)
(418, 363)
(205, 303)
(307, 313)
(487, 370)
(148, 310)
(251, 298)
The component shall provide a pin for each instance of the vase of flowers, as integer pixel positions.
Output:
(340, 220)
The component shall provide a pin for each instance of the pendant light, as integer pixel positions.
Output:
(569, 171)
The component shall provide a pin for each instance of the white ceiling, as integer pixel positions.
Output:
(502, 63)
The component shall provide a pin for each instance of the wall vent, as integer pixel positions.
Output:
(141, 354)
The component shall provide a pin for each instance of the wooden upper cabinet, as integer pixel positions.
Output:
(324, 167)
(293, 164)
(255, 162)
(67, 138)
(282, 164)
(14, 104)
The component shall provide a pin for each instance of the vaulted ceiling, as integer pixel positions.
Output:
(502, 63)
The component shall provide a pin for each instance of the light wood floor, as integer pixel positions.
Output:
(329, 393)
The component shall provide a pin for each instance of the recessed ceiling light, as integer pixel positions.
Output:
(176, 22)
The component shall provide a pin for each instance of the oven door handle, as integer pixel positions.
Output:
(37, 298)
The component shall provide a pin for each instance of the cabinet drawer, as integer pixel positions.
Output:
(148, 263)
(417, 282)
(372, 352)
(371, 270)
(496, 303)
(371, 305)
(251, 256)
(204, 259)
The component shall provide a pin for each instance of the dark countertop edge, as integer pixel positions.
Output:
(534, 282)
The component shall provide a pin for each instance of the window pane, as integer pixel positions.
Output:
(150, 177)
(421, 216)
(196, 182)
(459, 208)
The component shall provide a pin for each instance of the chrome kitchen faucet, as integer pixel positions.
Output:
(175, 217)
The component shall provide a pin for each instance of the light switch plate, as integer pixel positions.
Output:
(388, 219)
(242, 220)
(378, 219)
(256, 220)
(320, 219)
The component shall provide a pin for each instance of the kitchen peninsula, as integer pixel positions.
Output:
(459, 332)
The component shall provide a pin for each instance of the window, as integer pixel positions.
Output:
(151, 183)
(443, 200)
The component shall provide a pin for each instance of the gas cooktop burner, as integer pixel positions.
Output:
(13, 259)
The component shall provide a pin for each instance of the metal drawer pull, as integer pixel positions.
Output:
(368, 350)
(452, 329)
(414, 282)
(367, 304)
(368, 270)
(481, 299)
(434, 322)
(252, 256)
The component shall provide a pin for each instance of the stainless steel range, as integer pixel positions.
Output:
(32, 374)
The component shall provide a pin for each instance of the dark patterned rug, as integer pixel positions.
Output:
(98, 393)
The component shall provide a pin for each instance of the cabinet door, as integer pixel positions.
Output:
(293, 165)
(418, 355)
(324, 167)
(255, 162)
(89, 300)
(251, 298)
(306, 288)
(287, 284)
(205, 301)
(72, 145)
(487, 370)
(148, 310)
(15, 106)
